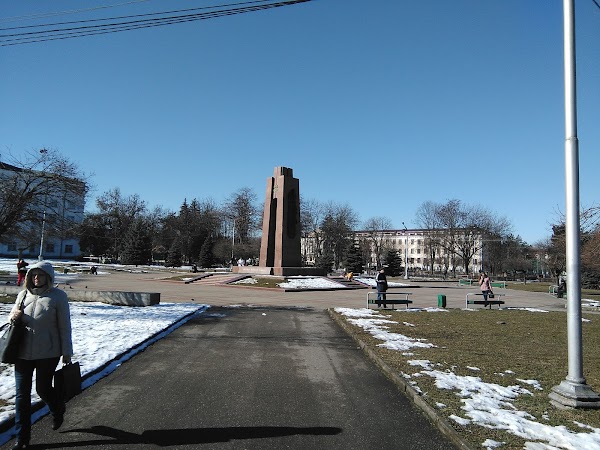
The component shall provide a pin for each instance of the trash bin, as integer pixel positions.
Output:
(441, 301)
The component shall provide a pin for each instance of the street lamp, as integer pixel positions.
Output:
(40, 256)
(232, 242)
(573, 391)
(405, 252)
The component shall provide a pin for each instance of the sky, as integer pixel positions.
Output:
(380, 105)
(99, 338)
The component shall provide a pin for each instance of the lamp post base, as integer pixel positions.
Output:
(570, 395)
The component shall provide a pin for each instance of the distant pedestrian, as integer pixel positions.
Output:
(485, 285)
(21, 271)
(562, 288)
(94, 270)
(381, 282)
(44, 310)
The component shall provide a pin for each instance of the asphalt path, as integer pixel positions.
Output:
(245, 378)
(423, 293)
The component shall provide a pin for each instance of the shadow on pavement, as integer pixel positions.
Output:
(190, 436)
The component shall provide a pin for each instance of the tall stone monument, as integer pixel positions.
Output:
(280, 245)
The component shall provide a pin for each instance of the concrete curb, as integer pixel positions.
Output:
(440, 422)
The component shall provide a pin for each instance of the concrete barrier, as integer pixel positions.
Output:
(109, 297)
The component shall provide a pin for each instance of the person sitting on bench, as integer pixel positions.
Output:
(562, 288)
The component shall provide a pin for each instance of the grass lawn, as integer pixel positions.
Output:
(503, 346)
(591, 294)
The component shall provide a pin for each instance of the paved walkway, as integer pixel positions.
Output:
(424, 294)
(245, 378)
(253, 378)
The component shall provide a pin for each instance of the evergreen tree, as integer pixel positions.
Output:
(394, 263)
(325, 260)
(137, 245)
(354, 259)
(174, 256)
(207, 258)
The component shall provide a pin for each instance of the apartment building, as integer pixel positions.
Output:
(416, 246)
(60, 211)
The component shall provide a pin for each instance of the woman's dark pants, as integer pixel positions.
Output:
(44, 372)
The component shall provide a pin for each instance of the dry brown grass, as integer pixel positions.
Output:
(531, 345)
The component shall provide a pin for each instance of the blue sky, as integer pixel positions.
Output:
(379, 104)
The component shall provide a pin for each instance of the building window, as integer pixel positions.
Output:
(68, 248)
(12, 247)
(50, 248)
(412, 241)
(419, 250)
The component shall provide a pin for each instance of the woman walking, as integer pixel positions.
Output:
(486, 285)
(44, 310)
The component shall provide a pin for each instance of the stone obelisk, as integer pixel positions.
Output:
(280, 245)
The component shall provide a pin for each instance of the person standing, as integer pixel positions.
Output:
(485, 285)
(381, 282)
(47, 319)
(21, 271)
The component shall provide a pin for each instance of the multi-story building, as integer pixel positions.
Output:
(418, 247)
(60, 211)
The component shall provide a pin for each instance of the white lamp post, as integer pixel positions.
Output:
(41, 256)
(232, 241)
(405, 252)
(572, 392)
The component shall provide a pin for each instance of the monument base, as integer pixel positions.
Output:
(280, 271)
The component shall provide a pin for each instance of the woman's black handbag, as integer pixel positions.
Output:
(10, 339)
(67, 381)
(11, 335)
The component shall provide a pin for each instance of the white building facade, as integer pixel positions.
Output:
(418, 247)
(60, 214)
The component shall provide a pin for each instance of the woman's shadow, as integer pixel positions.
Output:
(188, 436)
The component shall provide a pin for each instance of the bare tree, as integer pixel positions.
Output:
(464, 229)
(312, 213)
(337, 228)
(479, 224)
(375, 227)
(242, 209)
(120, 212)
(450, 219)
(428, 218)
(39, 187)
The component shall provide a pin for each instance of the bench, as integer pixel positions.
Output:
(390, 299)
(465, 282)
(553, 290)
(498, 284)
(494, 301)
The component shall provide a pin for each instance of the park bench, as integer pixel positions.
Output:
(553, 290)
(391, 298)
(489, 302)
(470, 282)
